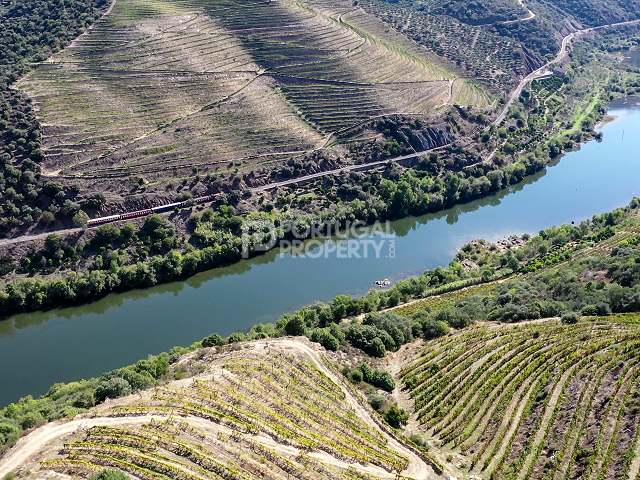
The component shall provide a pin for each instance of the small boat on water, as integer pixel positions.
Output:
(383, 283)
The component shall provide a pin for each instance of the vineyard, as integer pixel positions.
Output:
(540, 400)
(161, 88)
(271, 410)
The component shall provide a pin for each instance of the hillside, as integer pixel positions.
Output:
(158, 90)
(535, 400)
(519, 360)
(269, 409)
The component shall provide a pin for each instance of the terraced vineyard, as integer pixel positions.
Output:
(162, 87)
(481, 51)
(540, 400)
(271, 410)
(179, 450)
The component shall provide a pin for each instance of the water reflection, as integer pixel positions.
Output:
(74, 342)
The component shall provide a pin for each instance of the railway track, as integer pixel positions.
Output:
(169, 207)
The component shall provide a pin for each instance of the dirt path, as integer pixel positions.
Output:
(418, 468)
(30, 445)
(530, 15)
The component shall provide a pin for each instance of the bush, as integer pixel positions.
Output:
(396, 417)
(9, 432)
(137, 380)
(434, 328)
(570, 318)
(377, 348)
(324, 337)
(237, 337)
(419, 440)
(295, 326)
(355, 376)
(31, 420)
(601, 309)
(377, 378)
(367, 338)
(214, 340)
(113, 388)
(377, 401)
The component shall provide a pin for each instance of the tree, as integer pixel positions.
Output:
(81, 219)
(396, 417)
(112, 388)
(295, 326)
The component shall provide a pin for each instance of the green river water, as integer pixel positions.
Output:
(39, 349)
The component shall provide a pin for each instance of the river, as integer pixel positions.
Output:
(39, 349)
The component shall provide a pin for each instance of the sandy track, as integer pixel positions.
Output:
(32, 444)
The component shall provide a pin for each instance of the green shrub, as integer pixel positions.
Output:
(295, 326)
(113, 388)
(396, 417)
(432, 328)
(9, 432)
(237, 337)
(214, 340)
(355, 376)
(570, 318)
(31, 420)
(418, 440)
(324, 337)
(377, 378)
(377, 401)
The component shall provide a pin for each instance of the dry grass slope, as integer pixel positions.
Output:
(159, 87)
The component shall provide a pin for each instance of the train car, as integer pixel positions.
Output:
(143, 213)
(101, 220)
(169, 206)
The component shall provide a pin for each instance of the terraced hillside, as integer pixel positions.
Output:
(166, 86)
(268, 410)
(594, 12)
(541, 400)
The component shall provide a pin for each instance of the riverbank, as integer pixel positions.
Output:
(451, 297)
(598, 178)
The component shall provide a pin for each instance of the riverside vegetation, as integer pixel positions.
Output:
(587, 275)
(474, 159)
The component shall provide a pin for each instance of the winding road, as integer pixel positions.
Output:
(545, 69)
